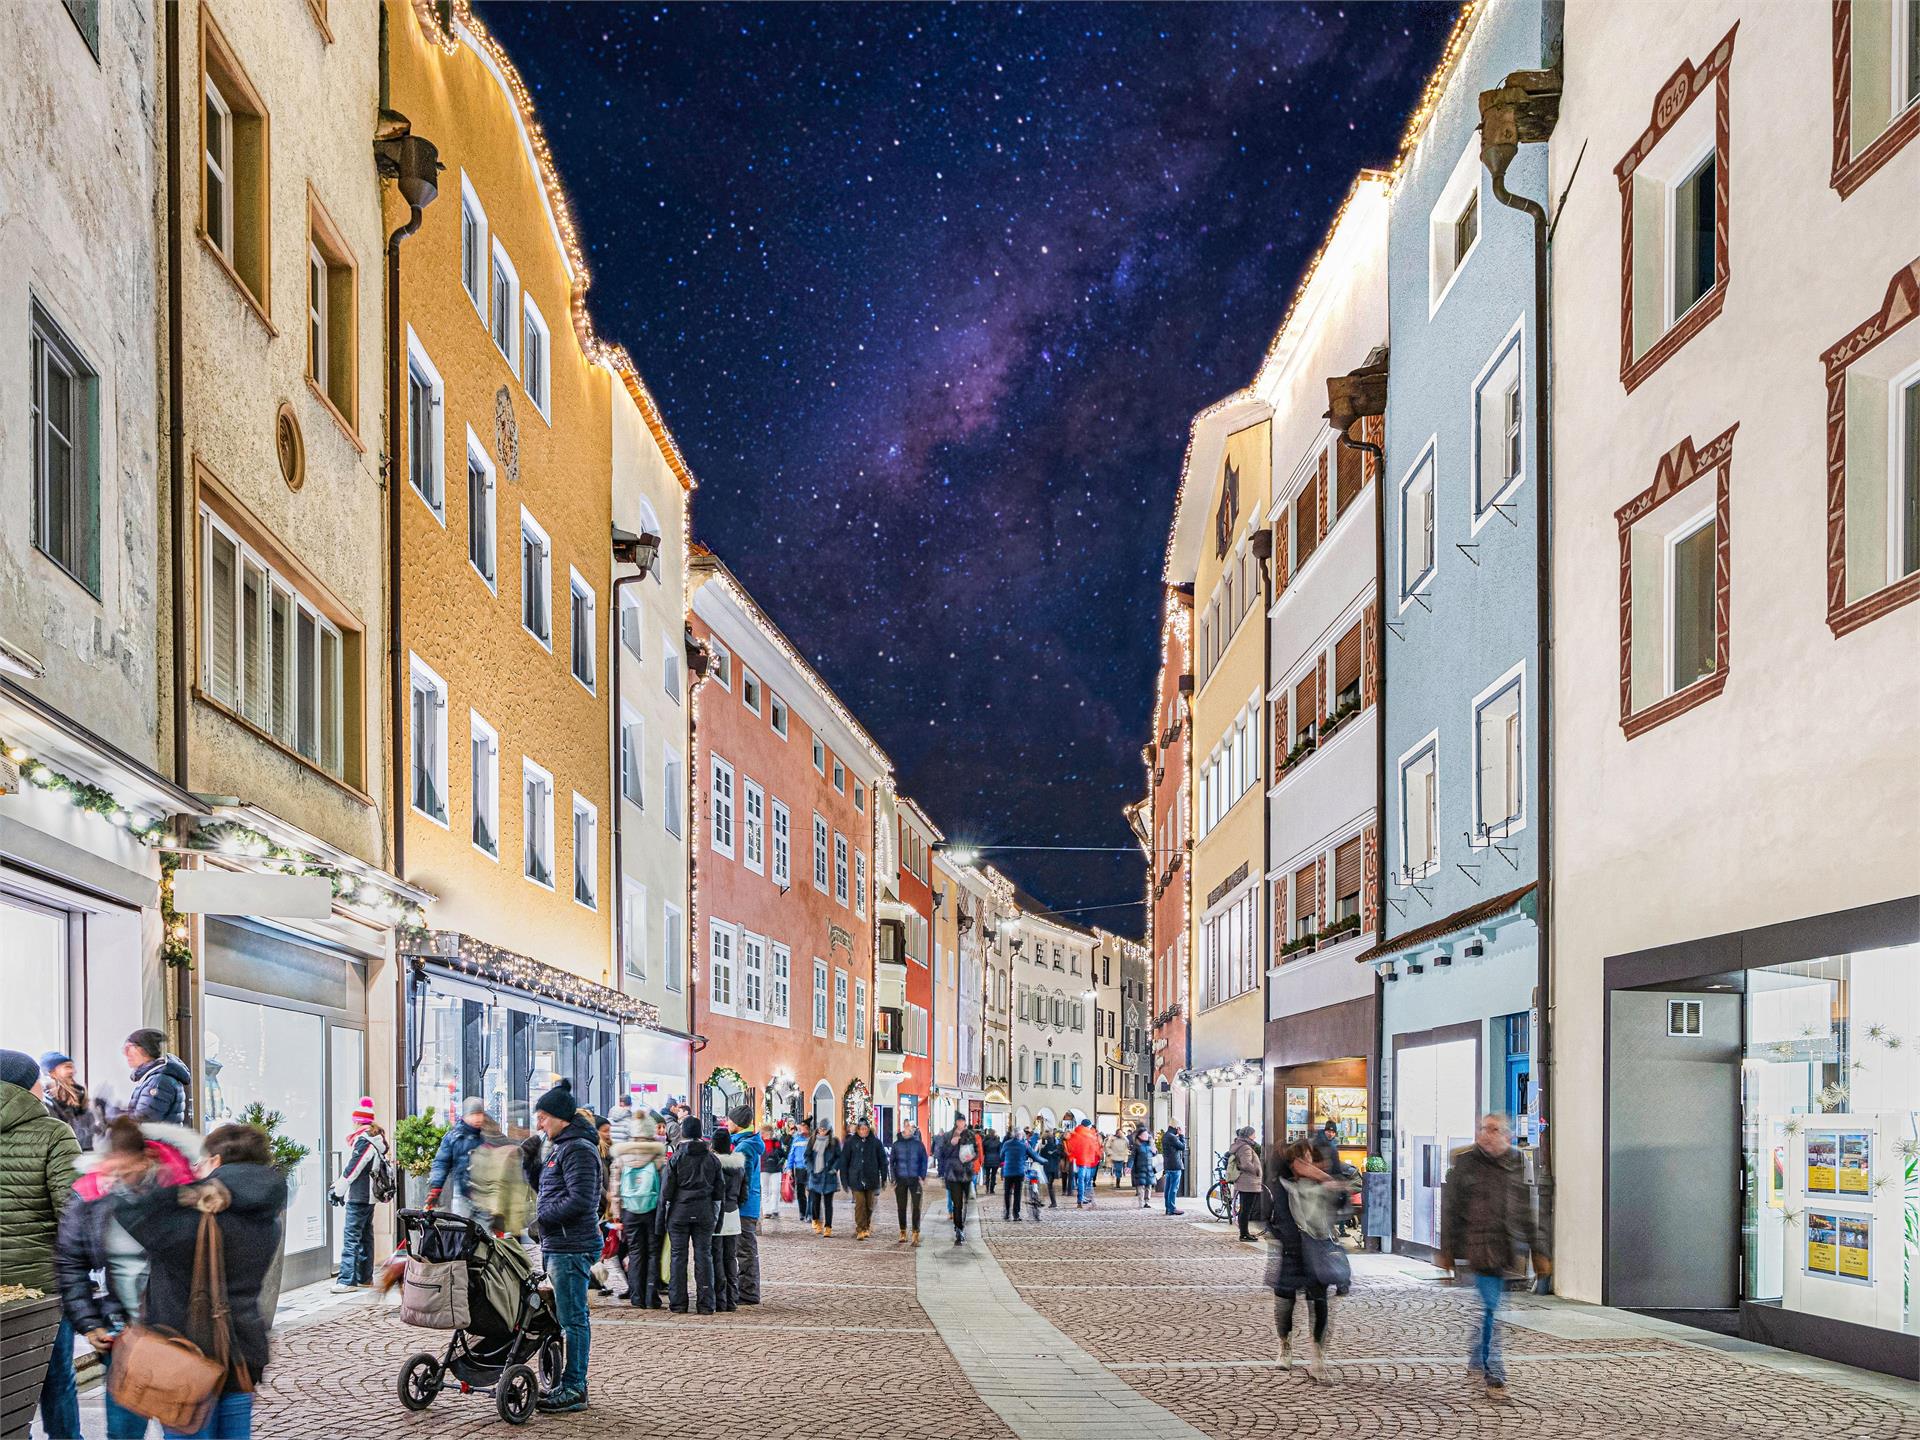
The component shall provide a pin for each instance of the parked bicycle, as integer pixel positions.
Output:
(1220, 1196)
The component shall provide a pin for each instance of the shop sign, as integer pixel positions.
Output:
(247, 892)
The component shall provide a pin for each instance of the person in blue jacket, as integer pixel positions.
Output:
(569, 1214)
(797, 1167)
(907, 1159)
(1014, 1159)
(748, 1141)
(452, 1159)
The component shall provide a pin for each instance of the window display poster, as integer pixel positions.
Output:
(1823, 1236)
(1856, 1245)
(1856, 1159)
(1297, 1111)
(1823, 1161)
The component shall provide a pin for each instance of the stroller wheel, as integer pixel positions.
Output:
(553, 1359)
(515, 1394)
(420, 1380)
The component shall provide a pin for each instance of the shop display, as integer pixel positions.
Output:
(1823, 1164)
(1856, 1159)
(1823, 1243)
(1856, 1246)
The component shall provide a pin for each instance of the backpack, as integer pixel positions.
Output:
(640, 1188)
(1232, 1172)
(380, 1180)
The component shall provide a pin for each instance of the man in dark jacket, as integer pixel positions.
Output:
(568, 1210)
(1487, 1222)
(1173, 1160)
(990, 1156)
(452, 1160)
(1012, 1158)
(954, 1155)
(160, 1080)
(753, 1145)
(692, 1198)
(863, 1170)
(907, 1159)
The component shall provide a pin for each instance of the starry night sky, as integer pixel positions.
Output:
(929, 296)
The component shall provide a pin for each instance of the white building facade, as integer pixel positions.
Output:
(1053, 983)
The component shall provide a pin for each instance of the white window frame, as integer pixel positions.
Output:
(223, 169)
(723, 952)
(1463, 185)
(633, 929)
(839, 778)
(478, 730)
(630, 633)
(778, 716)
(1428, 462)
(781, 830)
(842, 875)
(421, 675)
(720, 665)
(1513, 344)
(578, 589)
(531, 528)
(819, 757)
(633, 758)
(1696, 156)
(859, 797)
(418, 359)
(584, 808)
(1669, 546)
(1514, 680)
(721, 816)
(319, 341)
(753, 826)
(671, 797)
(820, 1010)
(841, 1004)
(536, 372)
(859, 1012)
(1685, 1019)
(751, 1003)
(474, 215)
(1897, 462)
(530, 771)
(1427, 744)
(860, 883)
(750, 690)
(672, 938)
(670, 666)
(477, 457)
(503, 264)
(779, 1007)
(821, 850)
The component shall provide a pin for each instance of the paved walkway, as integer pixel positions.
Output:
(1092, 1325)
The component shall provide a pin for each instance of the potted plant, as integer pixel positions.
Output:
(29, 1320)
(415, 1139)
(288, 1156)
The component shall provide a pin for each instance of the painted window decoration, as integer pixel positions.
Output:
(1420, 810)
(64, 422)
(1876, 86)
(1498, 787)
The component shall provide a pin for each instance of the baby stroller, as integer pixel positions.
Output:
(482, 1287)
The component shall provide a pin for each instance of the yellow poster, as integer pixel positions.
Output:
(1823, 1161)
(1823, 1234)
(1856, 1245)
(1856, 1159)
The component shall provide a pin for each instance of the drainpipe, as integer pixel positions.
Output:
(181, 513)
(1522, 110)
(1262, 548)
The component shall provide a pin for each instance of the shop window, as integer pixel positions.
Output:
(1498, 446)
(39, 976)
(1454, 225)
(481, 518)
(581, 609)
(428, 738)
(1416, 529)
(1499, 781)
(586, 853)
(425, 399)
(1876, 85)
(333, 308)
(273, 1056)
(536, 580)
(536, 822)
(64, 421)
(233, 172)
(1420, 809)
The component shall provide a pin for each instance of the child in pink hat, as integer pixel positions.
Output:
(366, 1154)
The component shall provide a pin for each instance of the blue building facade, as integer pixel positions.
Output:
(1459, 958)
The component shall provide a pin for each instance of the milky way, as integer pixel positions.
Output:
(929, 296)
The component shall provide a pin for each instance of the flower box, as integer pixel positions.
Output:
(27, 1331)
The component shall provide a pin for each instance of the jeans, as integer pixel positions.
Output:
(903, 1192)
(122, 1423)
(726, 1277)
(1249, 1208)
(1010, 1198)
(1173, 1190)
(1486, 1348)
(823, 1208)
(59, 1401)
(356, 1244)
(1119, 1173)
(802, 1196)
(1083, 1177)
(571, 1275)
(693, 1232)
(230, 1419)
(746, 1271)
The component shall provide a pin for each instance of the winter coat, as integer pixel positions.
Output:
(37, 1158)
(1141, 1160)
(69, 1103)
(1326, 1153)
(1287, 1272)
(1082, 1146)
(695, 1182)
(823, 1173)
(1118, 1150)
(160, 1091)
(733, 1189)
(368, 1151)
(452, 1161)
(92, 1239)
(250, 1239)
(990, 1149)
(797, 1153)
(1014, 1158)
(753, 1150)
(949, 1157)
(908, 1158)
(570, 1193)
(1486, 1213)
(1246, 1155)
(773, 1158)
(863, 1163)
(1173, 1151)
(628, 1155)
(1053, 1154)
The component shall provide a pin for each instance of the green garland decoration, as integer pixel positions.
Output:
(229, 837)
(174, 947)
(81, 794)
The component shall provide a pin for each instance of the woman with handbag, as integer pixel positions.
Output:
(1302, 1222)
(201, 1345)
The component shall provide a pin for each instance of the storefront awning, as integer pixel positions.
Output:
(464, 955)
(1493, 908)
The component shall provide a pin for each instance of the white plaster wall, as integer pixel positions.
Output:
(1795, 792)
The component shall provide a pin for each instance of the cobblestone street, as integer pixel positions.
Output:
(1105, 1322)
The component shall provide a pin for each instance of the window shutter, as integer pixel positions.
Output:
(1346, 660)
(1347, 476)
(222, 560)
(1306, 519)
(1306, 892)
(1347, 860)
(1306, 702)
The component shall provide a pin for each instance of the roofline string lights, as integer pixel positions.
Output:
(465, 955)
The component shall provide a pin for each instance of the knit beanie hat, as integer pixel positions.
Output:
(559, 1102)
(741, 1117)
(18, 1068)
(690, 1128)
(621, 1118)
(363, 1112)
(645, 1127)
(54, 1058)
(154, 1042)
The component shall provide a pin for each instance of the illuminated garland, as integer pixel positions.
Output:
(1436, 84)
(175, 949)
(82, 794)
(367, 899)
(476, 958)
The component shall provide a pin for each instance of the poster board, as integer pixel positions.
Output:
(1856, 1162)
(1843, 1245)
(1823, 1163)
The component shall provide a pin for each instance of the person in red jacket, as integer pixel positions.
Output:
(1083, 1153)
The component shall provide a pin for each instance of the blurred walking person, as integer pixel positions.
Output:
(452, 1160)
(907, 1162)
(638, 1178)
(38, 1155)
(1015, 1158)
(1302, 1220)
(1053, 1156)
(66, 1097)
(957, 1156)
(1488, 1228)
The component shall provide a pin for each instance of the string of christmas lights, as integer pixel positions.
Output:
(481, 961)
(83, 794)
(365, 898)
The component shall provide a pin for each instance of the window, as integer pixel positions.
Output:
(753, 810)
(1229, 953)
(1454, 226)
(1498, 450)
(672, 937)
(633, 928)
(1416, 528)
(720, 986)
(859, 1012)
(1420, 809)
(586, 854)
(630, 620)
(670, 666)
(536, 822)
(272, 657)
(1306, 522)
(481, 531)
(1689, 584)
(534, 360)
(536, 580)
(632, 759)
(1873, 462)
(1023, 1065)
(333, 310)
(722, 807)
(860, 884)
(819, 854)
(1306, 902)
(428, 739)
(671, 800)
(1683, 1017)
(819, 997)
(233, 172)
(839, 1004)
(63, 418)
(780, 985)
(85, 15)
(1346, 670)
(1349, 858)
(506, 304)
(777, 714)
(483, 783)
(1056, 1070)
(721, 666)
(819, 757)
(840, 868)
(1876, 98)
(426, 470)
(1074, 1073)
(750, 691)
(581, 608)
(753, 975)
(473, 246)
(1690, 239)
(782, 846)
(859, 797)
(1498, 781)
(839, 777)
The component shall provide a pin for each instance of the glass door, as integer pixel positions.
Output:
(346, 1083)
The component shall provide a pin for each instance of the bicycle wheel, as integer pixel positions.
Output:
(1220, 1200)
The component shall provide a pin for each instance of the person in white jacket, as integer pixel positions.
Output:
(366, 1151)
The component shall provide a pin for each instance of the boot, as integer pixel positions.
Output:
(916, 1237)
(903, 1238)
(1318, 1369)
(816, 1227)
(827, 1231)
(1286, 1352)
